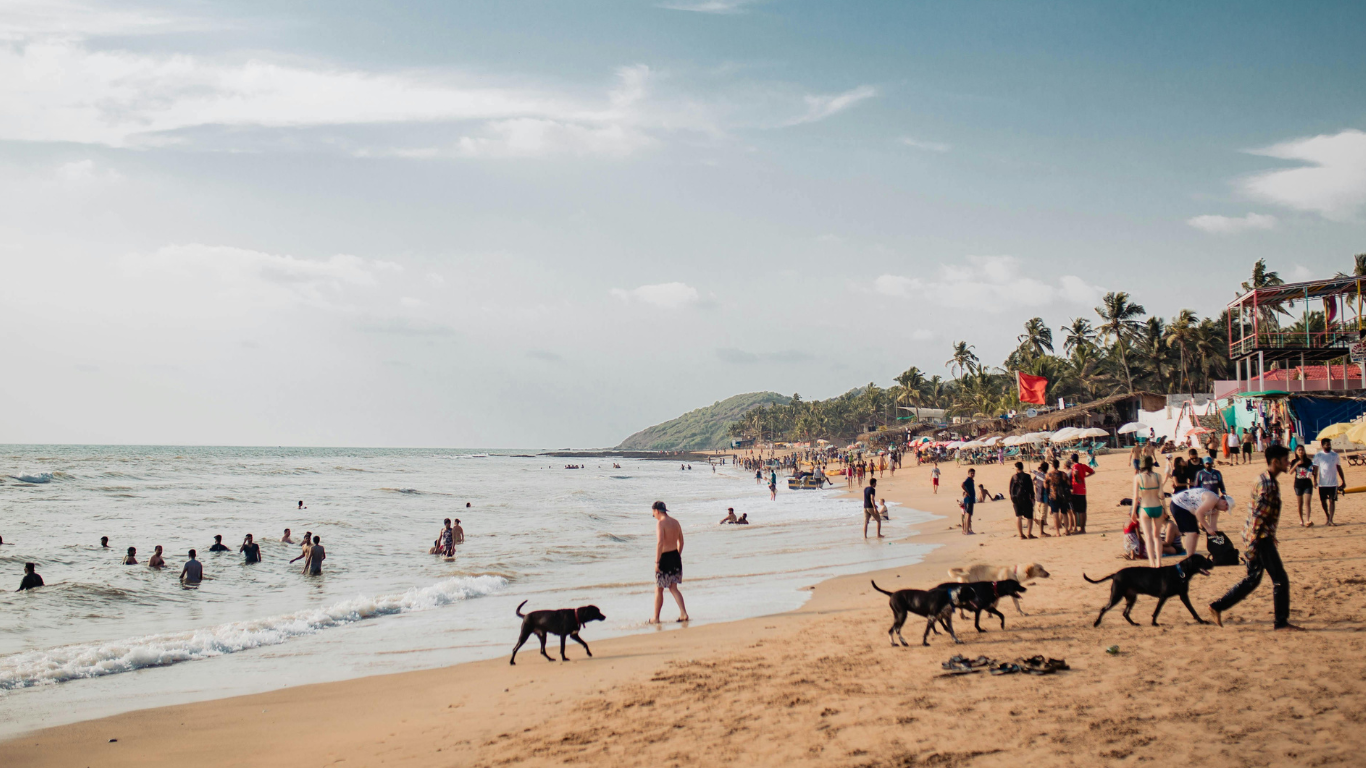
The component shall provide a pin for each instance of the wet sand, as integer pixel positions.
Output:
(822, 685)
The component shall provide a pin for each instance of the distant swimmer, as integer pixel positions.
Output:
(104, 542)
(251, 550)
(730, 516)
(459, 533)
(132, 557)
(744, 519)
(304, 546)
(467, 505)
(31, 578)
(193, 572)
(313, 566)
(668, 560)
(218, 544)
(286, 539)
(156, 561)
(301, 505)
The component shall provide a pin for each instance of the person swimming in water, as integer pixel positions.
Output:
(104, 542)
(132, 557)
(744, 519)
(729, 518)
(193, 572)
(155, 561)
(286, 539)
(218, 544)
(31, 578)
(313, 566)
(301, 505)
(251, 550)
(304, 546)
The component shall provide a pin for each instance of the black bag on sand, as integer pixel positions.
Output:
(1221, 551)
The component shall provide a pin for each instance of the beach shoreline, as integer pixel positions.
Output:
(821, 684)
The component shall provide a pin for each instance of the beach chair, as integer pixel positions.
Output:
(1356, 460)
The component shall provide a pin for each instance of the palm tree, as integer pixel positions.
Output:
(1119, 322)
(1036, 339)
(1079, 334)
(1359, 268)
(964, 359)
(1181, 336)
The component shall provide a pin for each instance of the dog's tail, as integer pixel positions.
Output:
(519, 609)
(1097, 581)
(880, 589)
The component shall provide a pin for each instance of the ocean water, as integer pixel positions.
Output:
(103, 638)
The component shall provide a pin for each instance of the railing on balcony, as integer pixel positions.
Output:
(1336, 340)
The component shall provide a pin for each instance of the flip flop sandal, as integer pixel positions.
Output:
(955, 662)
(981, 661)
(1032, 661)
(1058, 664)
(1005, 668)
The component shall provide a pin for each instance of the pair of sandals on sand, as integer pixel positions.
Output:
(1034, 665)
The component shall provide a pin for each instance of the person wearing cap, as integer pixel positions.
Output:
(1196, 508)
(1210, 478)
(668, 560)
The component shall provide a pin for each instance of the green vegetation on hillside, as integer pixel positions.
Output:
(702, 429)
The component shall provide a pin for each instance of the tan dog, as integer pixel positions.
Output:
(1021, 573)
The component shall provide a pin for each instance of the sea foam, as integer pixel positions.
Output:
(70, 662)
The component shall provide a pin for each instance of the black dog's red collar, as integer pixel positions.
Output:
(994, 591)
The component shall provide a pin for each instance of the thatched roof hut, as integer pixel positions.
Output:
(1124, 408)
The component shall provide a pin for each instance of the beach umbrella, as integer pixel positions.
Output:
(1094, 432)
(1357, 433)
(1133, 426)
(1037, 437)
(994, 439)
(1011, 440)
(1334, 430)
(1065, 434)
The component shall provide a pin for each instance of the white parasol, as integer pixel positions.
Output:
(1133, 426)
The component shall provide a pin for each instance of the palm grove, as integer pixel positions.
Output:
(1121, 349)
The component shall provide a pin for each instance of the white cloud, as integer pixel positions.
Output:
(56, 87)
(84, 172)
(1300, 273)
(1331, 183)
(663, 295)
(199, 273)
(710, 6)
(987, 283)
(24, 19)
(819, 107)
(928, 146)
(1230, 225)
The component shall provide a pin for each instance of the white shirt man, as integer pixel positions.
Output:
(1328, 477)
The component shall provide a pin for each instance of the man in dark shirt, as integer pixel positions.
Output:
(251, 549)
(1022, 498)
(870, 508)
(218, 544)
(31, 579)
(969, 498)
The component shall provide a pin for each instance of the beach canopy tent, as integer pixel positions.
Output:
(1131, 427)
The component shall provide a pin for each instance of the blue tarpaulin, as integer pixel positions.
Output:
(1315, 413)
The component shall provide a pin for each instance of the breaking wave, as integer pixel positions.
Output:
(70, 662)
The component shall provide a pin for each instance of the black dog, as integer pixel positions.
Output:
(978, 596)
(934, 604)
(1127, 584)
(565, 622)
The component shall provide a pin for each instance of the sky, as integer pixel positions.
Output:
(551, 224)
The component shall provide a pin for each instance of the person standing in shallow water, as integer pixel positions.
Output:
(31, 578)
(313, 564)
(668, 560)
(193, 571)
(250, 549)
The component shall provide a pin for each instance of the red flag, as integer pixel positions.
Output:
(1031, 388)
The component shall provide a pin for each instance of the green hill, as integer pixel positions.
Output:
(702, 429)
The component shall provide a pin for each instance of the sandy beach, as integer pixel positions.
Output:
(821, 685)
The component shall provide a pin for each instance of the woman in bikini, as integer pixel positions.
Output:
(1148, 507)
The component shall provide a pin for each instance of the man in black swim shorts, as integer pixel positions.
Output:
(668, 560)
(1022, 498)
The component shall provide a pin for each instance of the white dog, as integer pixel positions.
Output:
(1021, 573)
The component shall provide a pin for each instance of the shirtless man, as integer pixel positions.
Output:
(668, 560)
(104, 542)
(458, 532)
(132, 557)
(730, 516)
(156, 562)
(313, 564)
(286, 539)
(193, 572)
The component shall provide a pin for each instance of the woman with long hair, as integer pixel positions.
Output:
(1302, 469)
(1147, 495)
